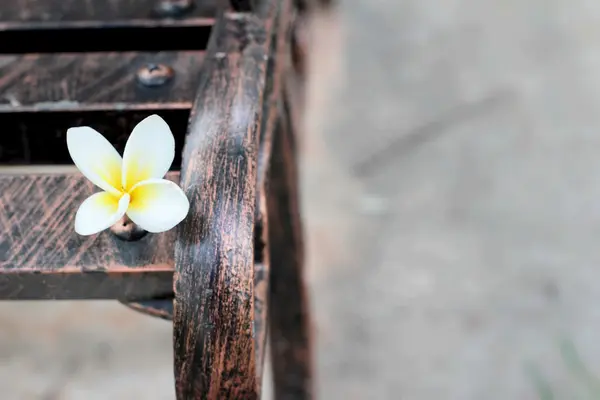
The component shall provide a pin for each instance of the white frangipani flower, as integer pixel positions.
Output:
(132, 185)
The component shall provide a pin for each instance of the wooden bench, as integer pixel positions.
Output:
(231, 273)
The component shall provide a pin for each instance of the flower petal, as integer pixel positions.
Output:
(149, 152)
(95, 157)
(157, 205)
(100, 211)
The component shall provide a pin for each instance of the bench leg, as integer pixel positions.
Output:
(288, 307)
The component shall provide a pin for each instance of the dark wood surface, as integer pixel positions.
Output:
(215, 351)
(214, 253)
(95, 81)
(41, 256)
(290, 322)
(28, 14)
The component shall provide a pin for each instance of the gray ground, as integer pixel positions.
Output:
(457, 244)
(451, 191)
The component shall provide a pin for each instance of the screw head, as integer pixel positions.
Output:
(152, 75)
(173, 8)
(126, 230)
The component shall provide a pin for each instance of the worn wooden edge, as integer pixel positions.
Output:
(49, 14)
(199, 21)
(86, 285)
(96, 81)
(214, 339)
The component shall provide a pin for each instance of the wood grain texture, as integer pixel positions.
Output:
(31, 14)
(41, 256)
(214, 254)
(95, 81)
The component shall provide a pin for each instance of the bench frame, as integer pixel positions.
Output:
(231, 274)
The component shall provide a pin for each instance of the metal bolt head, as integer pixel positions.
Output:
(153, 75)
(126, 230)
(173, 8)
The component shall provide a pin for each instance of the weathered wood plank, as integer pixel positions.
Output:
(41, 256)
(31, 14)
(214, 253)
(95, 81)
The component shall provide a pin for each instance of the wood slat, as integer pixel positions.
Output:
(41, 256)
(64, 14)
(95, 81)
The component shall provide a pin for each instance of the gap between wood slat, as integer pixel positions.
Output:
(105, 39)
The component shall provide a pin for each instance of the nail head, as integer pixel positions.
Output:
(126, 230)
(173, 8)
(152, 75)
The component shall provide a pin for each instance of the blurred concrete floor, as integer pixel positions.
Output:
(453, 209)
(469, 133)
(67, 350)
